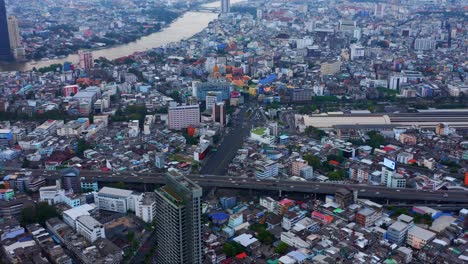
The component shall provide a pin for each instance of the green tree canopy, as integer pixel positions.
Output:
(232, 248)
(282, 248)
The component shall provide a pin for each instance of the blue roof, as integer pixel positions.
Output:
(271, 78)
(299, 256)
(219, 216)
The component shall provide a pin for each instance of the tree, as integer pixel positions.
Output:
(334, 176)
(175, 95)
(314, 132)
(282, 248)
(38, 214)
(82, 146)
(26, 163)
(312, 161)
(265, 237)
(232, 248)
(376, 139)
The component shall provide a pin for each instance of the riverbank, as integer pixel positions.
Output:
(184, 27)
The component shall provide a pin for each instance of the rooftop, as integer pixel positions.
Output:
(88, 221)
(259, 131)
(115, 192)
(81, 210)
(421, 233)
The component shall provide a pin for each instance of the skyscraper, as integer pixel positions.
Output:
(5, 49)
(225, 6)
(14, 33)
(178, 218)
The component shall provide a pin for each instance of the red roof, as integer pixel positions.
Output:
(412, 161)
(334, 162)
(241, 255)
(387, 148)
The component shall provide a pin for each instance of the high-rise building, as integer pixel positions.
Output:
(86, 59)
(219, 113)
(183, 116)
(225, 6)
(424, 44)
(179, 216)
(14, 33)
(5, 49)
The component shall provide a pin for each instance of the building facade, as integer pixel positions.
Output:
(183, 116)
(115, 200)
(5, 48)
(179, 209)
(90, 228)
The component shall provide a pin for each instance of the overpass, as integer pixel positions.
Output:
(205, 9)
(252, 184)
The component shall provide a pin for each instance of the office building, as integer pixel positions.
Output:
(225, 6)
(418, 237)
(266, 169)
(5, 48)
(145, 207)
(297, 165)
(307, 172)
(392, 179)
(367, 216)
(201, 90)
(86, 59)
(379, 9)
(183, 116)
(424, 44)
(178, 215)
(219, 114)
(90, 228)
(70, 216)
(262, 135)
(14, 33)
(213, 98)
(357, 51)
(71, 180)
(160, 160)
(115, 200)
(396, 233)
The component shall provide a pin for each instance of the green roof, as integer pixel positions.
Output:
(271, 261)
(259, 130)
(338, 210)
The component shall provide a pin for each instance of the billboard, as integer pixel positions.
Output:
(389, 163)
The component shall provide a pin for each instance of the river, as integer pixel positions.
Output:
(189, 24)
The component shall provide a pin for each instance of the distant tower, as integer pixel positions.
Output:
(86, 59)
(225, 6)
(5, 49)
(14, 32)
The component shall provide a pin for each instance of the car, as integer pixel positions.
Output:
(362, 190)
(292, 186)
(445, 194)
(244, 180)
(398, 190)
(258, 180)
(377, 193)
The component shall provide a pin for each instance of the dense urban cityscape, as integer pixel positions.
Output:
(233, 131)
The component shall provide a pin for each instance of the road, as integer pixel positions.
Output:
(366, 191)
(218, 162)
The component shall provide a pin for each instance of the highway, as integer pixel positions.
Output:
(364, 191)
